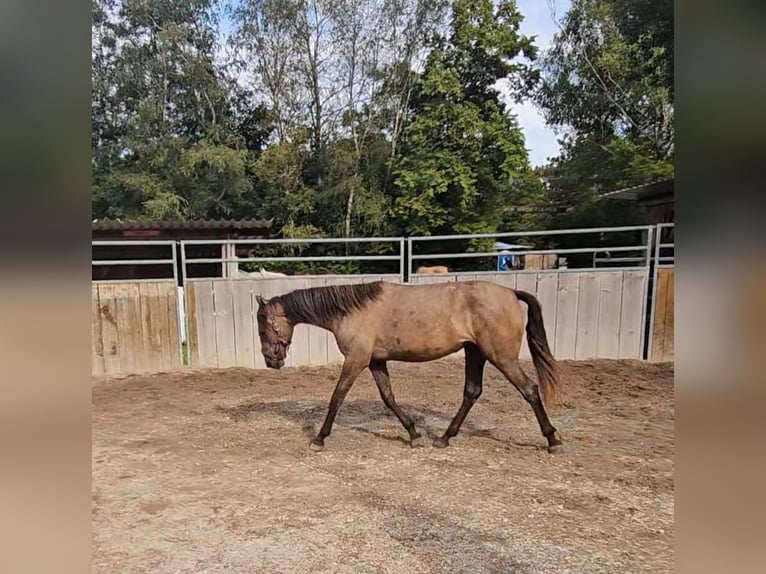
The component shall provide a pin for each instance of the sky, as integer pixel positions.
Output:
(541, 141)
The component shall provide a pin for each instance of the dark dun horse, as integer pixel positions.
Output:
(378, 322)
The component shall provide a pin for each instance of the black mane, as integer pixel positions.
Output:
(321, 305)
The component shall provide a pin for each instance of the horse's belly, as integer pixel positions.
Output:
(415, 355)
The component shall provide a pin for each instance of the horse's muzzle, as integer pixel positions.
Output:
(274, 363)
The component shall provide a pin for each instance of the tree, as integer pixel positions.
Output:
(608, 82)
(166, 142)
(463, 160)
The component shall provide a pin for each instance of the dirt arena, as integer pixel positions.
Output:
(210, 471)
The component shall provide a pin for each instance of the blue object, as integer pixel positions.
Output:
(505, 262)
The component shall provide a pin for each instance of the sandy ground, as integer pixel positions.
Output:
(210, 471)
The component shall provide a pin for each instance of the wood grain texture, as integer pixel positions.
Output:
(609, 314)
(244, 323)
(192, 339)
(668, 348)
(223, 302)
(660, 308)
(205, 314)
(567, 300)
(631, 314)
(171, 302)
(547, 295)
(151, 316)
(586, 346)
(96, 340)
(128, 316)
(110, 338)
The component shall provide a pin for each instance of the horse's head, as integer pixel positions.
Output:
(275, 331)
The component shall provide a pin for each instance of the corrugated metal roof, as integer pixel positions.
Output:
(641, 191)
(112, 224)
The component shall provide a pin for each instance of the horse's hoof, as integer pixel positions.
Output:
(556, 449)
(418, 442)
(316, 447)
(441, 442)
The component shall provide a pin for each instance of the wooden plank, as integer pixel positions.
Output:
(151, 315)
(609, 313)
(110, 337)
(245, 330)
(192, 340)
(586, 346)
(668, 347)
(163, 315)
(526, 282)
(171, 335)
(660, 307)
(547, 294)
(128, 316)
(505, 279)
(631, 311)
(223, 302)
(205, 319)
(468, 277)
(96, 341)
(567, 298)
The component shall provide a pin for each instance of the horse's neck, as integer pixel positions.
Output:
(328, 325)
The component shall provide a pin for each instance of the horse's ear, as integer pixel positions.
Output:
(261, 300)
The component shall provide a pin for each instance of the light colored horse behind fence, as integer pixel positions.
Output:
(436, 269)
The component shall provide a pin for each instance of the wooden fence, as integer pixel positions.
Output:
(662, 334)
(134, 327)
(222, 327)
(593, 314)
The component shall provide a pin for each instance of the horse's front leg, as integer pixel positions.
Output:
(348, 374)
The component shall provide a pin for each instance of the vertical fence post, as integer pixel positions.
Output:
(409, 259)
(401, 259)
(186, 303)
(178, 303)
(646, 336)
(655, 277)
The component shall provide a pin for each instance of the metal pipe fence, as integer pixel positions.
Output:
(397, 243)
(635, 248)
(641, 251)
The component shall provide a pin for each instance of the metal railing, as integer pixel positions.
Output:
(664, 254)
(649, 253)
(642, 250)
(172, 260)
(399, 241)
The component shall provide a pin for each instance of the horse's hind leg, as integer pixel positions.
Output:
(531, 393)
(380, 374)
(474, 374)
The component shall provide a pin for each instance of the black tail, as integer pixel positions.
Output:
(545, 364)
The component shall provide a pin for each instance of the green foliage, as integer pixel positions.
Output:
(374, 117)
(463, 161)
(608, 82)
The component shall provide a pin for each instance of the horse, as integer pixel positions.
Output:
(261, 274)
(374, 323)
(435, 269)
